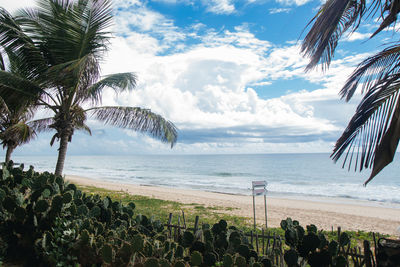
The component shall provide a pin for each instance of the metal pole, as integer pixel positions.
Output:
(254, 208)
(265, 206)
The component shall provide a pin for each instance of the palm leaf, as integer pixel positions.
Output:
(14, 88)
(389, 13)
(19, 133)
(141, 120)
(386, 149)
(75, 75)
(373, 70)
(84, 128)
(118, 82)
(368, 130)
(41, 125)
(84, 35)
(15, 40)
(333, 19)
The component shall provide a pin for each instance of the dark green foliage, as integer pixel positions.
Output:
(151, 262)
(227, 260)
(209, 259)
(344, 239)
(291, 257)
(179, 252)
(196, 258)
(180, 264)
(311, 247)
(240, 261)
(41, 206)
(188, 239)
(52, 223)
(107, 253)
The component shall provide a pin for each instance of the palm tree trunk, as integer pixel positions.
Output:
(62, 152)
(10, 150)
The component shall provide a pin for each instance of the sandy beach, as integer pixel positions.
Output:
(351, 215)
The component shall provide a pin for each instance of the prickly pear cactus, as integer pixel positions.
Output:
(196, 259)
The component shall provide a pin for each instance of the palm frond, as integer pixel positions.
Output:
(41, 125)
(369, 127)
(389, 13)
(333, 19)
(373, 70)
(386, 149)
(18, 90)
(15, 40)
(86, 20)
(19, 133)
(118, 82)
(138, 119)
(3, 107)
(84, 128)
(2, 65)
(75, 75)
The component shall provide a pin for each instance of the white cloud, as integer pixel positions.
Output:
(209, 88)
(144, 20)
(205, 91)
(220, 6)
(279, 10)
(293, 2)
(355, 36)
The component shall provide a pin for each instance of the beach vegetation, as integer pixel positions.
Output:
(64, 70)
(158, 208)
(45, 221)
(372, 135)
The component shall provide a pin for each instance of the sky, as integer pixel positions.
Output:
(228, 73)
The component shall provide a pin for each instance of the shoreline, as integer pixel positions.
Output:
(324, 214)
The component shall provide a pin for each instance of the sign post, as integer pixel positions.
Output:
(259, 188)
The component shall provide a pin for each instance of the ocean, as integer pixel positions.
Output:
(288, 175)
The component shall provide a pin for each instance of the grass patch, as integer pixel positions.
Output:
(160, 209)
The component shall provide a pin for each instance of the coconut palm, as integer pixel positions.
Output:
(62, 42)
(372, 135)
(14, 127)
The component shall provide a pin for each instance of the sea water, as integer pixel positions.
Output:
(287, 175)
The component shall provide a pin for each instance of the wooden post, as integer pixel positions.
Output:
(179, 227)
(367, 254)
(183, 217)
(265, 207)
(257, 242)
(196, 223)
(169, 225)
(263, 241)
(254, 209)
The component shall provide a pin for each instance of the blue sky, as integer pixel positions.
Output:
(228, 73)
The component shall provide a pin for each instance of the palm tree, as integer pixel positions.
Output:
(14, 127)
(373, 133)
(62, 42)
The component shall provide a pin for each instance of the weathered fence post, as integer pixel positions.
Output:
(169, 225)
(367, 254)
(196, 223)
